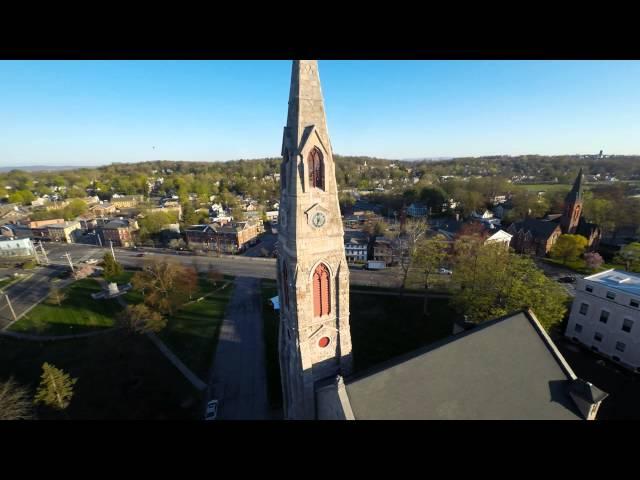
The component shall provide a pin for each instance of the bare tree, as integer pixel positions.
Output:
(214, 275)
(57, 296)
(141, 319)
(428, 257)
(407, 243)
(166, 285)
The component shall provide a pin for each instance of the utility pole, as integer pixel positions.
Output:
(70, 262)
(99, 239)
(44, 253)
(11, 308)
(112, 252)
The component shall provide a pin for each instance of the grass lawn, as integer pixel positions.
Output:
(78, 313)
(548, 187)
(120, 377)
(382, 327)
(192, 332)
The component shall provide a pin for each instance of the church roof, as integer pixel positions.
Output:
(506, 368)
(541, 229)
(585, 228)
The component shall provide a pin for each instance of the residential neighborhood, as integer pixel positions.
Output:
(311, 285)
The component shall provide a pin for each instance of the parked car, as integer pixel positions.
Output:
(91, 261)
(445, 271)
(140, 255)
(567, 279)
(212, 410)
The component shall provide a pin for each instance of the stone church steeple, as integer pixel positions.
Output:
(572, 207)
(313, 277)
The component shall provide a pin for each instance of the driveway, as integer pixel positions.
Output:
(238, 379)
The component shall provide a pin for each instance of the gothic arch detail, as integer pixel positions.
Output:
(315, 161)
(285, 286)
(321, 291)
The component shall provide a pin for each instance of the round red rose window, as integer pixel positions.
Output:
(324, 341)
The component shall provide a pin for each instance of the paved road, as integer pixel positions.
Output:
(555, 272)
(26, 293)
(229, 264)
(238, 379)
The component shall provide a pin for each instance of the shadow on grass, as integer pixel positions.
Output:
(120, 377)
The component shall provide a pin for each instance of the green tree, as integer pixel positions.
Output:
(112, 269)
(568, 248)
(22, 196)
(493, 282)
(142, 319)
(56, 387)
(15, 403)
(629, 256)
(428, 256)
(601, 212)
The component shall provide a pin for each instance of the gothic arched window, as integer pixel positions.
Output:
(285, 286)
(321, 291)
(283, 171)
(316, 169)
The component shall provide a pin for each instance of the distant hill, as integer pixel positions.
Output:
(39, 168)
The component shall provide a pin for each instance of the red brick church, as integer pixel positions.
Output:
(538, 235)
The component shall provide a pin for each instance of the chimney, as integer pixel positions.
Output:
(587, 397)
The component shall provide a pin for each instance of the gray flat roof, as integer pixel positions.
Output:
(505, 369)
(618, 280)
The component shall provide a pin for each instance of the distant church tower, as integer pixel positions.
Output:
(313, 278)
(572, 207)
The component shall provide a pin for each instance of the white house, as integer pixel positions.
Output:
(356, 249)
(499, 237)
(16, 247)
(486, 215)
(605, 316)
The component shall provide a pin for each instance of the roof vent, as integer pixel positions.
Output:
(587, 397)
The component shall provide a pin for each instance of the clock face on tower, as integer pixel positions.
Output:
(318, 219)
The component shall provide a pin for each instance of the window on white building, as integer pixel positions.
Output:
(577, 327)
(589, 288)
(627, 325)
(611, 295)
(597, 337)
(604, 316)
(634, 303)
(620, 346)
(584, 308)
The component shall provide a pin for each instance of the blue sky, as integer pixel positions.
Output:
(98, 112)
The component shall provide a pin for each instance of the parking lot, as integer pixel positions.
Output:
(623, 386)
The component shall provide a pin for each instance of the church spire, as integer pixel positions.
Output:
(306, 106)
(576, 192)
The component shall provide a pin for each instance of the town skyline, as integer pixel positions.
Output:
(90, 113)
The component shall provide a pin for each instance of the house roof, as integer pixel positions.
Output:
(618, 280)
(506, 368)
